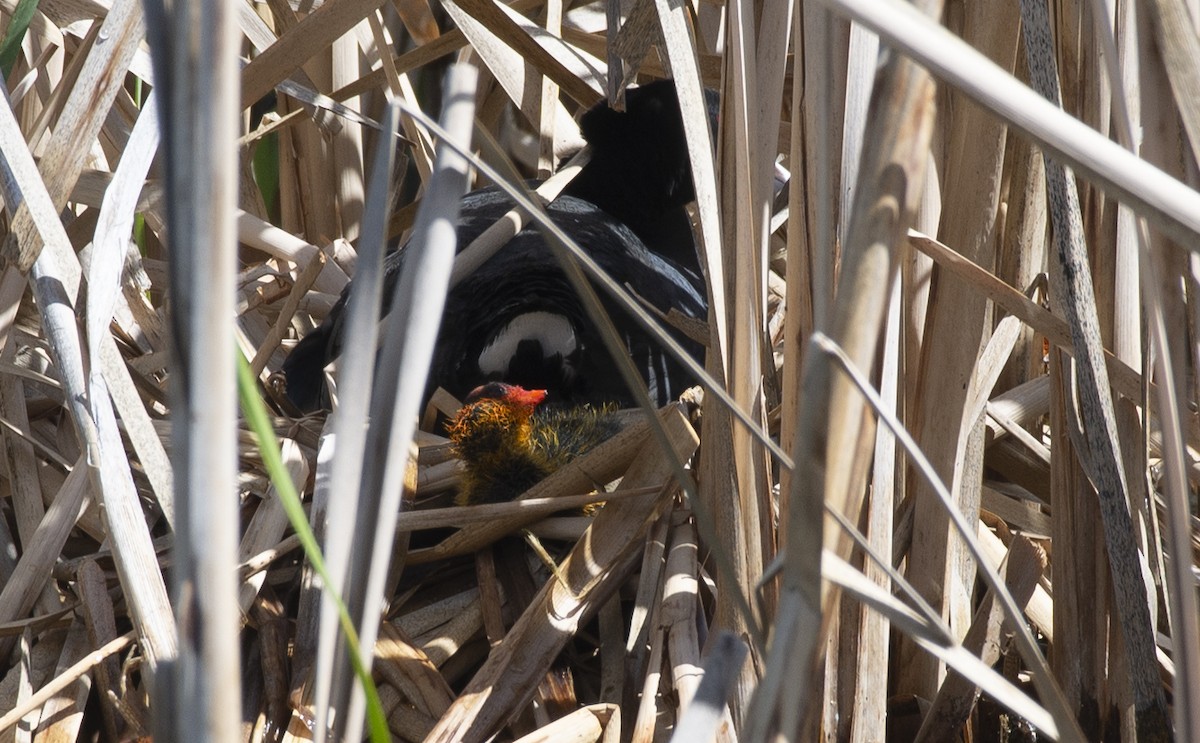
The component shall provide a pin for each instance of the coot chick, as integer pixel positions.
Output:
(517, 318)
(509, 444)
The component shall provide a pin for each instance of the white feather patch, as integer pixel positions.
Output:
(554, 332)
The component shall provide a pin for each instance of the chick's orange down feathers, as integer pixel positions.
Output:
(508, 444)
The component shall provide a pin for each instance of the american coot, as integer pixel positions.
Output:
(508, 443)
(517, 319)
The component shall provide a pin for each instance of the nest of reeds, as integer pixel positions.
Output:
(939, 481)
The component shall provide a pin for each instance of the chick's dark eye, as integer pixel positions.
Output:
(489, 391)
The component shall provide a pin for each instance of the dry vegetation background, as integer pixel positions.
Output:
(1031, 324)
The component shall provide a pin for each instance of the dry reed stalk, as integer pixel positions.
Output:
(303, 40)
(412, 330)
(640, 659)
(196, 69)
(269, 522)
(827, 452)
(348, 168)
(680, 600)
(957, 326)
(256, 233)
(65, 678)
(328, 685)
(1074, 572)
(102, 628)
(941, 643)
(752, 98)
(1176, 43)
(412, 672)
(870, 662)
(59, 272)
(1124, 380)
(597, 722)
(27, 580)
(1098, 450)
(957, 696)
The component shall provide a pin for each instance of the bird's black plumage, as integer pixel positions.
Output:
(517, 318)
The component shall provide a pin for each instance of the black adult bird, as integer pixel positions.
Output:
(517, 318)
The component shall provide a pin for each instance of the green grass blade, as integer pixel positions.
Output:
(256, 417)
(11, 46)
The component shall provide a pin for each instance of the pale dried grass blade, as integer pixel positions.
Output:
(680, 599)
(32, 570)
(53, 103)
(648, 708)
(1047, 687)
(1016, 514)
(957, 694)
(547, 106)
(111, 239)
(1176, 37)
(418, 19)
(138, 425)
(639, 653)
(703, 719)
(62, 714)
(348, 170)
(102, 629)
(684, 67)
(498, 48)
(281, 244)
(516, 513)
(83, 114)
(56, 278)
(827, 446)
(873, 657)
(63, 680)
(332, 683)
(400, 86)
(447, 641)
(579, 76)
(411, 329)
(19, 455)
(304, 282)
(810, 210)
(1098, 450)
(1124, 380)
(410, 670)
(1022, 405)
(269, 522)
(596, 722)
(753, 94)
(957, 324)
(12, 290)
(863, 58)
(1169, 204)
(935, 641)
(110, 244)
(195, 58)
(311, 35)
